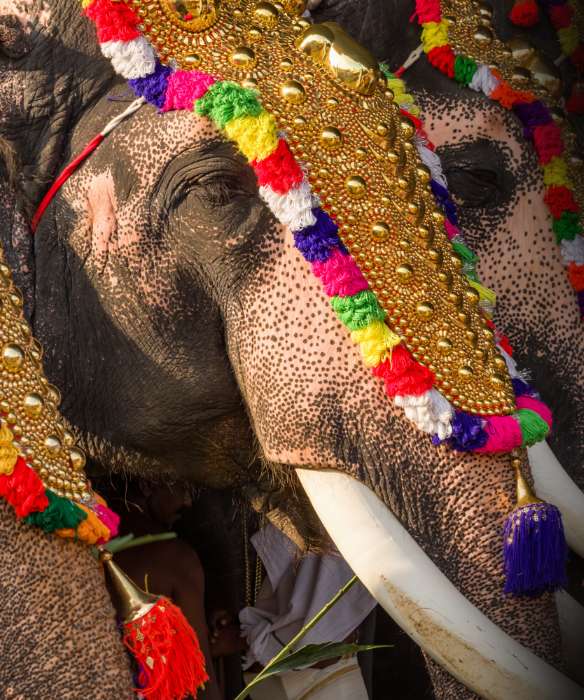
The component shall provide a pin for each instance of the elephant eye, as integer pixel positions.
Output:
(477, 174)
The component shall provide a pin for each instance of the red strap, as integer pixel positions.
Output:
(62, 179)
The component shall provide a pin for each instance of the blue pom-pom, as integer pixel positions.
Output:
(318, 241)
(468, 433)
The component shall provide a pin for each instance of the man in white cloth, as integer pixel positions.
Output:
(294, 590)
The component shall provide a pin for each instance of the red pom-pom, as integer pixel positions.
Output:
(114, 21)
(428, 11)
(279, 170)
(23, 490)
(547, 139)
(575, 103)
(560, 199)
(561, 15)
(524, 13)
(443, 58)
(167, 650)
(402, 375)
(576, 276)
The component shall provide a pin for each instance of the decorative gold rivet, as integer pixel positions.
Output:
(407, 128)
(456, 261)
(423, 174)
(404, 272)
(250, 83)
(356, 186)
(361, 153)
(53, 394)
(483, 36)
(463, 319)
(424, 232)
(332, 103)
(382, 129)
(425, 309)
(243, 57)
(53, 444)
(499, 362)
(293, 91)
(435, 256)
(471, 338)
(300, 122)
(331, 138)
(77, 459)
(472, 295)
(380, 231)
(404, 244)
(445, 278)
(12, 357)
(497, 380)
(266, 14)
(444, 345)
(521, 75)
(33, 405)
(192, 59)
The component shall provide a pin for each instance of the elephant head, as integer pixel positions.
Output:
(494, 178)
(189, 337)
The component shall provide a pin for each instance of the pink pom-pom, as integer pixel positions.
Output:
(340, 275)
(184, 87)
(503, 434)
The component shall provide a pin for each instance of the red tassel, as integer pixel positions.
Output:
(524, 13)
(23, 490)
(167, 650)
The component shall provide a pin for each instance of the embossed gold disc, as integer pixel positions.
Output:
(342, 124)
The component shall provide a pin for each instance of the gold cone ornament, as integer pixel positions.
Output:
(170, 662)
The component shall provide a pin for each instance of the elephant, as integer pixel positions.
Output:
(191, 342)
(495, 180)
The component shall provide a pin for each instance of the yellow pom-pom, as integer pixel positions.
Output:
(256, 137)
(376, 341)
(434, 34)
(556, 173)
(568, 38)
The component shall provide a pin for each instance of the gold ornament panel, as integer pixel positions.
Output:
(31, 424)
(363, 164)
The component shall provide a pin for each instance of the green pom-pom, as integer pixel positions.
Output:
(533, 427)
(567, 227)
(464, 69)
(359, 310)
(225, 101)
(464, 253)
(60, 513)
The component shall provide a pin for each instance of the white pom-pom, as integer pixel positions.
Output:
(131, 59)
(293, 209)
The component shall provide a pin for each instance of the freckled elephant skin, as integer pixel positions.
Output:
(43, 650)
(182, 326)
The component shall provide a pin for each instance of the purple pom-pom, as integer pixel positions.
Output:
(318, 241)
(521, 388)
(535, 550)
(467, 432)
(580, 296)
(153, 86)
(532, 114)
(444, 200)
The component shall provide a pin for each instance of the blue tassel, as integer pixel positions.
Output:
(535, 550)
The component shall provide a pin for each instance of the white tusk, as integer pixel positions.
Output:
(553, 484)
(419, 597)
(571, 615)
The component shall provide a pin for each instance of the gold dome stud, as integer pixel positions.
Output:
(53, 444)
(77, 459)
(331, 138)
(483, 35)
(293, 92)
(356, 186)
(12, 357)
(243, 57)
(444, 345)
(407, 128)
(266, 14)
(380, 231)
(404, 272)
(33, 405)
(425, 310)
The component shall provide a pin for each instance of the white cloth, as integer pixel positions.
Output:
(340, 681)
(294, 590)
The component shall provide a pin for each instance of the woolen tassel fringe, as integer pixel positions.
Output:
(524, 13)
(534, 550)
(166, 648)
